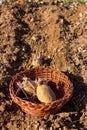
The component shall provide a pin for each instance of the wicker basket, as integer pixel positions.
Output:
(58, 82)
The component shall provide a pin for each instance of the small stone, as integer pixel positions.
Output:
(51, 128)
(34, 38)
(8, 124)
(64, 128)
(32, 20)
(2, 108)
(86, 114)
(60, 129)
(2, 95)
(80, 14)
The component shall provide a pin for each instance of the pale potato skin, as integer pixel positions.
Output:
(29, 86)
(28, 89)
(45, 93)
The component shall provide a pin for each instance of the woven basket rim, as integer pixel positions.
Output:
(41, 109)
(41, 104)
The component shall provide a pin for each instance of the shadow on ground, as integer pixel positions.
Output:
(76, 104)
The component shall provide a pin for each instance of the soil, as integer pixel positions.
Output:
(59, 33)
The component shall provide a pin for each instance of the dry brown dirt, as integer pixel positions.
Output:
(59, 34)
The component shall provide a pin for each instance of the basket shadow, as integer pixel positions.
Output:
(76, 104)
(78, 100)
(13, 108)
(59, 92)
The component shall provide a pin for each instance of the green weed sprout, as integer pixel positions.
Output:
(67, 1)
(83, 1)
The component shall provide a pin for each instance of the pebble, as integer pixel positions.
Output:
(80, 14)
(2, 108)
(51, 128)
(86, 114)
(2, 95)
(34, 38)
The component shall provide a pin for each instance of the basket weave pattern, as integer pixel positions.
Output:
(63, 86)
